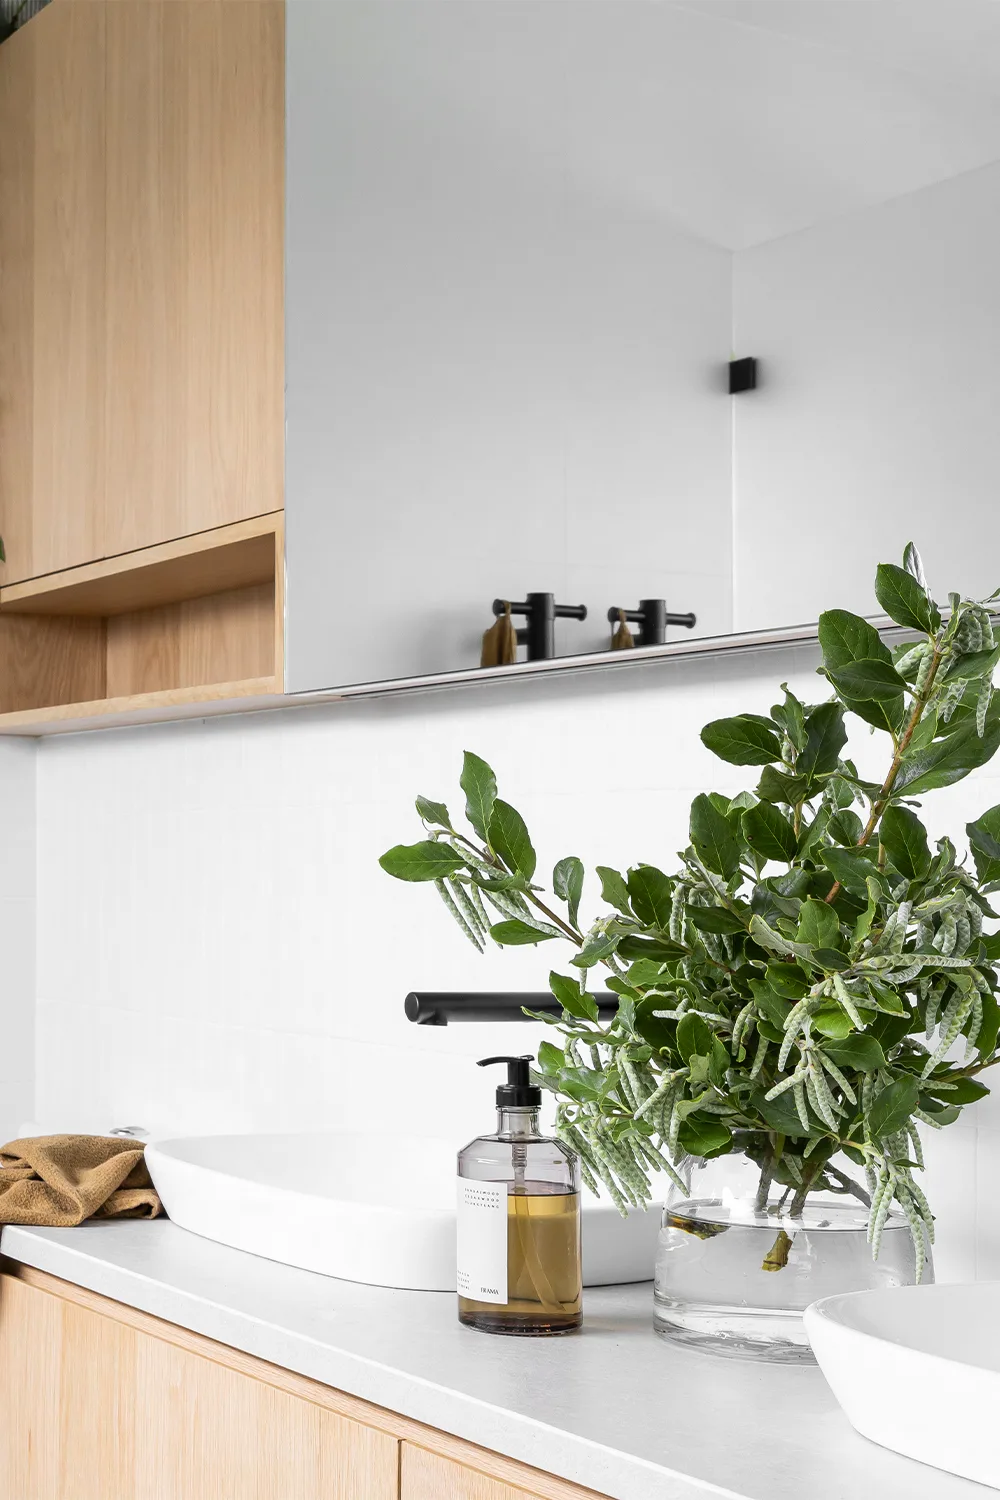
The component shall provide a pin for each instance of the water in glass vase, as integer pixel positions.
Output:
(734, 1277)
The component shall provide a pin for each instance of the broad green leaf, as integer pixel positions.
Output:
(713, 838)
(567, 882)
(903, 600)
(830, 958)
(984, 841)
(846, 827)
(650, 892)
(913, 564)
(508, 837)
(851, 867)
(742, 741)
(653, 1029)
(694, 1036)
(642, 947)
(787, 980)
(904, 839)
(434, 813)
(644, 972)
(550, 1059)
(790, 715)
(959, 1091)
(429, 860)
(777, 786)
(976, 664)
(597, 946)
(781, 1115)
(480, 787)
(825, 738)
(567, 992)
(717, 919)
(893, 1106)
(514, 933)
(863, 681)
(947, 760)
(701, 1135)
(769, 833)
(832, 1021)
(862, 1053)
(846, 638)
(613, 889)
(818, 925)
(987, 1039)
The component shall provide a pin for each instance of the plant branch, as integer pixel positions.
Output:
(885, 792)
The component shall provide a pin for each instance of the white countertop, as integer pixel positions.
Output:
(615, 1407)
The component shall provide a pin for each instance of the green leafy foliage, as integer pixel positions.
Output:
(802, 985)
(426, 861)
(743, 741)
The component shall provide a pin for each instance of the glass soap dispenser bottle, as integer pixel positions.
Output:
(519, 1265)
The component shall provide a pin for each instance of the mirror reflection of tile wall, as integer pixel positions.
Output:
(524, 240)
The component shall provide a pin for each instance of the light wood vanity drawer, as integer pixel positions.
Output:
(94, 1409)
(428, 1476)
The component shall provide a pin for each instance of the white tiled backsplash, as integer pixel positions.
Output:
(218, 950)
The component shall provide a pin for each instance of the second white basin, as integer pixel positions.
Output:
(377, 1209)
(917, 1369)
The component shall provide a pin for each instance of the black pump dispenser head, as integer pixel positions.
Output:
(518, 1092)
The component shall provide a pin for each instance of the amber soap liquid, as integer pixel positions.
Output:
(544, 1276)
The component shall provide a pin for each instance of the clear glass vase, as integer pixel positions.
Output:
(736, 1267)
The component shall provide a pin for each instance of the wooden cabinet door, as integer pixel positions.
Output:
(17, 147)
(429, 1476)
(68, 399)
(93, 1409)
(195, 214)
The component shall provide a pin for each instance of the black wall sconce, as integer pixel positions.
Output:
(652, 618)
(541, 612)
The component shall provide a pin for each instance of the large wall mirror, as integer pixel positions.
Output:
(526, 239)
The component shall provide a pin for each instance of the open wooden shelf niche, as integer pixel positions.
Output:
(195, 620)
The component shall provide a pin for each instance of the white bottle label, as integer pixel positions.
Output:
(482, 1240)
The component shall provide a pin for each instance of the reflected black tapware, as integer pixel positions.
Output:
(541, 612)
(652, 618)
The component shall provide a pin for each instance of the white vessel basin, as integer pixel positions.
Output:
(917, 1369)
(370, 1208)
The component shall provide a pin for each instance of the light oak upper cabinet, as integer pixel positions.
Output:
(17, 147)
(195, 200)
(52, 283)
(141, 288)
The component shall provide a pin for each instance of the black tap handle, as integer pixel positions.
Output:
(541, 612)
(652, 617)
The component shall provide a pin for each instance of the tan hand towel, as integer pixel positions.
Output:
(60, 1180)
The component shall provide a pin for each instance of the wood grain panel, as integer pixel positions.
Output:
(224, 558)
(428, 1476)
(69, 285)
(195, 206)
(17, 148)
(519, 1477)
(45, 661)
(95, 1409)
(223, 637)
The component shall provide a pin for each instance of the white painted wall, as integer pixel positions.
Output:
(218, 950)
(876, 420)
(504, 367)
(17, 933)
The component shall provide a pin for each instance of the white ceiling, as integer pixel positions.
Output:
(739, 120)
